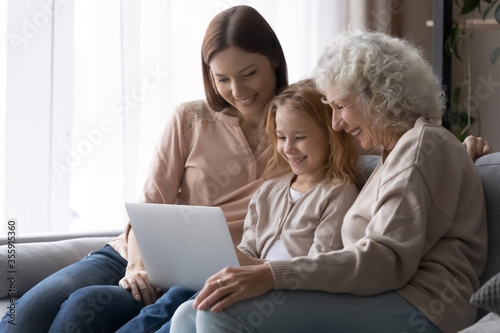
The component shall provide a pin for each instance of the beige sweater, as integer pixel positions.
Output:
(418, 227)
(309, 226)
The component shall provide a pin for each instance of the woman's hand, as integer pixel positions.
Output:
(233, 284)
(477, 146)
(136, 279)
(137, 282)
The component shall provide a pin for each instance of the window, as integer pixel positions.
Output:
(96, 157)
(90, 85)
(3, 76)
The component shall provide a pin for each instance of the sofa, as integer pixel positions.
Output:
(36, 257)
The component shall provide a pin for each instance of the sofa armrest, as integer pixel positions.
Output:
(488, 167)
(34, 261)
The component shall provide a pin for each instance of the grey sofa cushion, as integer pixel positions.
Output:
(488, 296)
(367, 163)
(35, 261)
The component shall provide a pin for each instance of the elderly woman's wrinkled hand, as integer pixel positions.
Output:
(233, 284)
(477, 146)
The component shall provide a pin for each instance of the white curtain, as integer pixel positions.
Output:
(3, 92)
(90, 84)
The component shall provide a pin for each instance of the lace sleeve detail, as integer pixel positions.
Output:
(193, 113)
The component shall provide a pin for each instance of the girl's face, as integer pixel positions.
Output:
(302, 143)
(245, 80)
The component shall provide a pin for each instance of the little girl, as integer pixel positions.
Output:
(298, 211)
(310, 185)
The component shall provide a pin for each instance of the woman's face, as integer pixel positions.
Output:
(245, 80)
(348, 117)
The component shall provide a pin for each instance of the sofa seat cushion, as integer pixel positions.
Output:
(488, 324)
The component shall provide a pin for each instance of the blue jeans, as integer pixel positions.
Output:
(307, 311)
(96, 309)
(40, 308)
(156, 317)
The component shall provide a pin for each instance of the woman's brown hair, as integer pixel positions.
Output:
(341, 163)
(244, 28)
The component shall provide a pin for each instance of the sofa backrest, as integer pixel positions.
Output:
(488, 167)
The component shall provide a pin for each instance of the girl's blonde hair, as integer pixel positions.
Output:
(341, 164)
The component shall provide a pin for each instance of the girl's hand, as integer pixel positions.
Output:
(137, 282)
(233, 284)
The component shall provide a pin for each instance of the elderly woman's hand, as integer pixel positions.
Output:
(233, 284)
(477, 146)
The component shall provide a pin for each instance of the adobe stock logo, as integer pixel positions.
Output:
(217, 181)
(120, 110)
(483, 91)
(450, 292)
(39, 20)
(266, 305)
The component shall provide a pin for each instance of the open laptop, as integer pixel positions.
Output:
(181, 245)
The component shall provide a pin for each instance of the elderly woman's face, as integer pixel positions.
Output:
(346, 116)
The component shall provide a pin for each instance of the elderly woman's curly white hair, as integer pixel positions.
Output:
(392, 83)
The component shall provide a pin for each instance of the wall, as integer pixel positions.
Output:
(413, 24)
(485, 77)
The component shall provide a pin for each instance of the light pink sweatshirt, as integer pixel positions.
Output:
(203, 158)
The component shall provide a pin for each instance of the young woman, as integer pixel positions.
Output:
(212, 153)
(298, 211)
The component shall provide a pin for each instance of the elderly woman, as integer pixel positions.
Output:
(415, 238)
